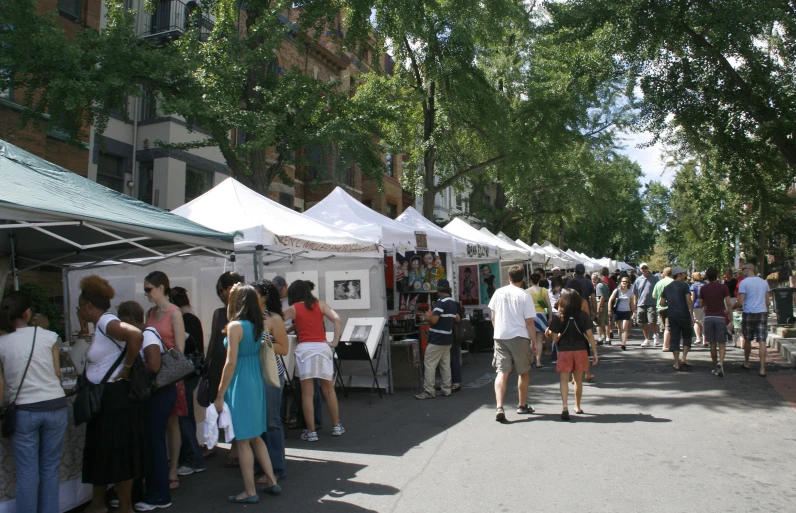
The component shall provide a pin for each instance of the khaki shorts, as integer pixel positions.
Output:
(602, 316)
(512, 354)
(647, 315)
(699, 315)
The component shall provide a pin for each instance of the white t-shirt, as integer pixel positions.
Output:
(41, 382)
(103, 352)
(151, 338)
(510, 307)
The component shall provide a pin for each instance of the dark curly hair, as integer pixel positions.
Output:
(267, 289)
(97, 291)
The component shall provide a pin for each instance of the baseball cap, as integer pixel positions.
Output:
(643, 265)
(580, 268)
(676, 270)
(556, 268)
(443, 284)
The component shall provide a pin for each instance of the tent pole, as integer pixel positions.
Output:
(258, 262)
(14, 270)
(67, 306)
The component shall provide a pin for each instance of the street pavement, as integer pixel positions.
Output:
(652, 440)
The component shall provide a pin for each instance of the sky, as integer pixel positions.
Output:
(648, 158)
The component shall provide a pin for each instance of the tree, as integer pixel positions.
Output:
(714, 72)
(224, 80)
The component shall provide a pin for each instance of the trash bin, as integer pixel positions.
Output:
(783, 304)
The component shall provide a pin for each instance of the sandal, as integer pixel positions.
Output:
(500, 415)
(685, 364)
(565, 415)
(678, 369)
(174, 484)
(746, 366)
(456, 387)
(589, 378)
(580, 412)
(524, 409)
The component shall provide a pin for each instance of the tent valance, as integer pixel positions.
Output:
(507, 251)
(52, 216)
(461, 246)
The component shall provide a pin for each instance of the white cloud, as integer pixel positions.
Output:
(649, 158)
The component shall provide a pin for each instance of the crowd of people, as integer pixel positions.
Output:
(144, 447)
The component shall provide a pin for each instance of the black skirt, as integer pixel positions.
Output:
(115, 439)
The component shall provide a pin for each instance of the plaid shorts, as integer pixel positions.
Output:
(755, 326)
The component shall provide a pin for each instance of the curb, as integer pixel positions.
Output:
(785, 346)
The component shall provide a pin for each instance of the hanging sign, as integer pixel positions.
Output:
(477, 250)
(421, 240)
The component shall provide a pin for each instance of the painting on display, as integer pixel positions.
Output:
(302, 275)
(489, 280)
(420, 271)
(364, 330)
(468, 285)
(409, 302)
(348, 290)
(389, 281)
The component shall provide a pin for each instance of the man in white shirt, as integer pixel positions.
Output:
(513, 316)
(754, 297)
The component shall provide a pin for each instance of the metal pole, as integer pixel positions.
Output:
(14, 271)
(737, 251)
(258, 262)
(67, 306)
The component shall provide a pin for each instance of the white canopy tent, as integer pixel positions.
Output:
(340, 210)
(537, 257)
(283, 233)
(569, 261)
(508, 252)
(622, 266)
(553, 258)
(463, 247)
(590, 264)
(540, 256)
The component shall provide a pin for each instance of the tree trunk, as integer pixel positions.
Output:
(561, 233)
(429, 155)
(761, 236)
(535, 232)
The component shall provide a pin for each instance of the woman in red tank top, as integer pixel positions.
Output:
(166, 318)
(314, 355)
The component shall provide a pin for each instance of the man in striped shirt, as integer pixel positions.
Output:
(440, 339)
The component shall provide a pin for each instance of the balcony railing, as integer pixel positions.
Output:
(173, 18)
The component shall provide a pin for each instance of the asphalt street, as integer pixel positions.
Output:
(652, 440)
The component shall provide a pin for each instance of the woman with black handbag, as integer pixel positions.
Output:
(158, 407)
(115, 435)
(36, 419)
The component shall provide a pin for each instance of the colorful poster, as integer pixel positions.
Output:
(489, 280)
(468, 285)
(389, 280)
(420, 271)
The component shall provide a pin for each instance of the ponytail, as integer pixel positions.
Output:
(12, 308)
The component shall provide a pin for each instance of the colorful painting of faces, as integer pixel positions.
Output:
(420, 271)
(489, 280)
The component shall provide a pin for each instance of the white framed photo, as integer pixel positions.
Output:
(367, 330)
(302, 275)
(348, 290)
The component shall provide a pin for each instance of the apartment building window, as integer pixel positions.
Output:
(196, 183)
(388, 158)
(110, 171)
(392, 211)
(146, 181)
(7, 93)
(315, 159)
(71, 8)
(368, 203)
(348, 176)
(286, 200)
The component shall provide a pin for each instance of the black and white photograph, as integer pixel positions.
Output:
(360, 333)
(347, 289)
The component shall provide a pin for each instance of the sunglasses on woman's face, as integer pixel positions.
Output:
(147, 290)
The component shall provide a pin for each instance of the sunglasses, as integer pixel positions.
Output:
(147, 290)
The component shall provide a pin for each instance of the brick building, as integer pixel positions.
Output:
(124, 157)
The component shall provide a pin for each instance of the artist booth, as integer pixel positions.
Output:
(53, 218)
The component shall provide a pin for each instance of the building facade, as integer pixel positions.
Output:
(126, 158)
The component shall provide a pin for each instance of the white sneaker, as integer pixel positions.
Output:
(338, 430)
(646, 343)
(143, 506)
(309, 436)
(655, 341)
(187, 471)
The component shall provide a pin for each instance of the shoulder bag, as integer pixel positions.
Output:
(174, 366)
(463, 331)
(88, 400)
(9, 412)
(141, 381)
(268, 360)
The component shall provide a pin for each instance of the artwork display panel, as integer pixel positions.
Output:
(389, 281)
(420, 271)
(348, 290)
(489, 280)
(302, 275)
(367, 330)
(469, 291)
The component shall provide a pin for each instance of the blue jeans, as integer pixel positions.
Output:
(190, 450)
(157, 469)
(37, 444)
(274, 438)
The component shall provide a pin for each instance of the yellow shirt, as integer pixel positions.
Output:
(539, 299)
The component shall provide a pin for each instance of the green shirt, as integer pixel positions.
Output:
(656, 292)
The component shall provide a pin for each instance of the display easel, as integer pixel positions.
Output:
(358, 351)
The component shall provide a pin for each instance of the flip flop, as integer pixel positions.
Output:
(678, 369)
(746, 366)
(254, 499)
(763, 375)
(580, 412)
(686, 364)
(174, 484)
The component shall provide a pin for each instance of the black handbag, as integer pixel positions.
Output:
(202, 393)
(88, 400)
(463, 331)
(9, 412)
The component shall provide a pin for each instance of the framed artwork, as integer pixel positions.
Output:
(364, 330)
(420, 271)
(389, 280)
(348, 290)
(302, 275)
(489, 280)
(469, 293)
(421, 240)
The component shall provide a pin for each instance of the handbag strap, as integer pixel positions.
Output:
(118, 360)
(32, 346)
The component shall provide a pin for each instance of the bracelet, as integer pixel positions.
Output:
(128, 366)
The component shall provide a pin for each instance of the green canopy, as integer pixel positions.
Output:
(51, 216)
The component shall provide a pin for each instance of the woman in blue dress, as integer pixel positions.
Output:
(243, 390)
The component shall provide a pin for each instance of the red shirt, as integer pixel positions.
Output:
(309, 323)
(712, 298)
(611, 283)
